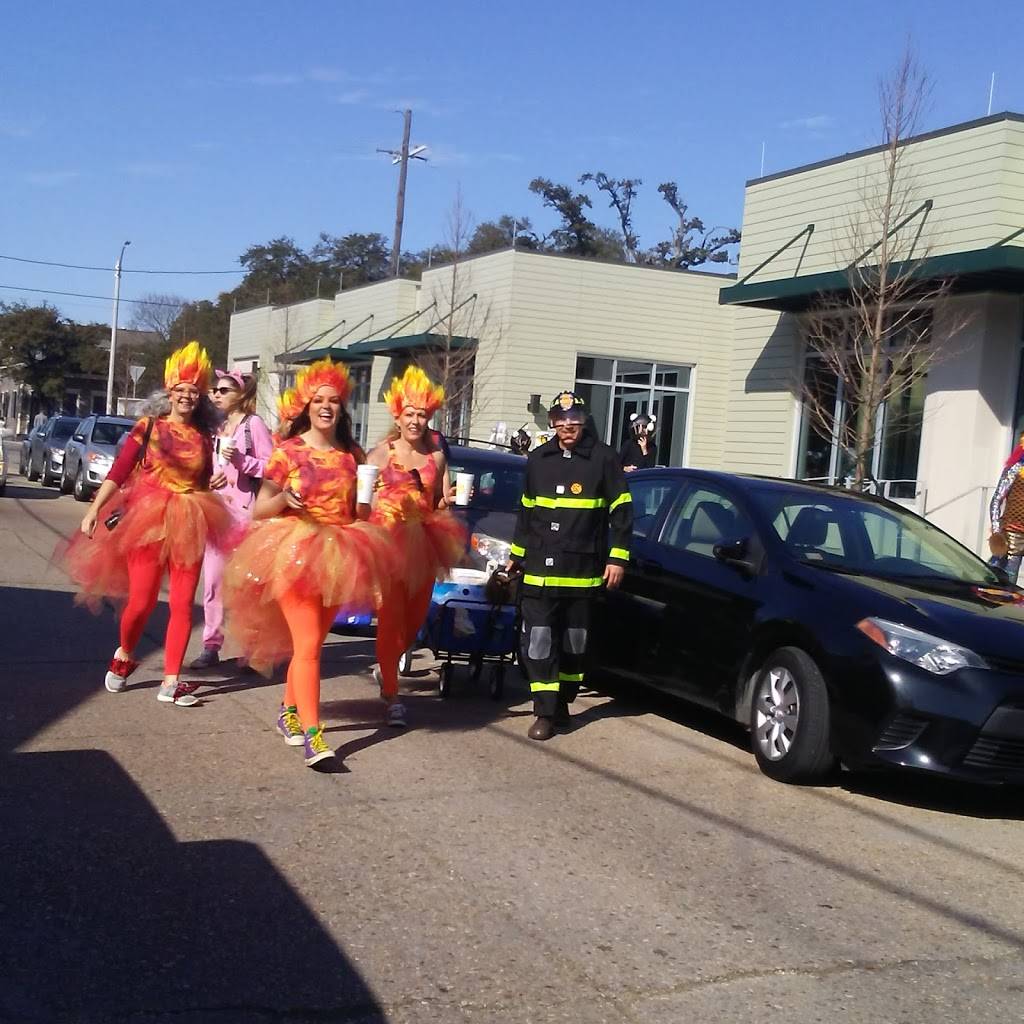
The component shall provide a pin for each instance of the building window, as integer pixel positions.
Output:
(614, 389)
(359, 402)
(828, 423)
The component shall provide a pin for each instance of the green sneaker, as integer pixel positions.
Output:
(289, 726)
(316, 746)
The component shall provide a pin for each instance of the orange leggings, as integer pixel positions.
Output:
(144, 575)
(398, 622)
(309, 622)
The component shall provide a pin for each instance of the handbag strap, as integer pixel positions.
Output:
(144, 450)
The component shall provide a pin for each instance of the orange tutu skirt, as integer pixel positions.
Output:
(428, 547)
(180, 523)
(346, 566)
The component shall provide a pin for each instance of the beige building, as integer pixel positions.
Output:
(718, 358)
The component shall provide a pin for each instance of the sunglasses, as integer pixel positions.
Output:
(223, 391)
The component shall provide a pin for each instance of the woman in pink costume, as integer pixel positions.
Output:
(162, 525)
(305, 556)
(242, 446)
(412, 490)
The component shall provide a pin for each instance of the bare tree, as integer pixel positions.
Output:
(691, 244)
(875, 341)
(456, 362)
(156, 313)
(621, 193)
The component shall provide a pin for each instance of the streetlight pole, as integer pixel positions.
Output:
(113, 331)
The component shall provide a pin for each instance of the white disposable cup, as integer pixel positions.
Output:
(217, 457)
(463, 488)
(366, 477)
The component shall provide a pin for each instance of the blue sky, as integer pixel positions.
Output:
(197, 129)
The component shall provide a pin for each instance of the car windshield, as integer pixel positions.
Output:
(109, 432)
(63, 429)
(497, 486)
(853, 535)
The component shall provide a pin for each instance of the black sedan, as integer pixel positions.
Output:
(839, 627)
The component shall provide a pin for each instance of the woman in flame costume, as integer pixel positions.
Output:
(166, 519)
(306, 556)
(411, 489)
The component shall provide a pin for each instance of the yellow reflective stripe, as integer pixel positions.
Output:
(619, 553)
(517, 550)
(528, 502)
(542, 687)
(570, 677)
(571, 502)
(622, 499)
(562, 581)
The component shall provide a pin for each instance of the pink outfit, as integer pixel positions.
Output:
(239, 496)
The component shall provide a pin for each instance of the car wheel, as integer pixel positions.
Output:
(65, 483)
(445, 680)
(45, 478)
(497, 687)
(789, 718)
(405, 663)
(81, 492)
(31, 474)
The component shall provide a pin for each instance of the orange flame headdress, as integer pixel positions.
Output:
(413, 390)
(188, 365)
(322, 373)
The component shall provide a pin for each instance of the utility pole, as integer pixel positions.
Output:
(402, 158)
(113, 331)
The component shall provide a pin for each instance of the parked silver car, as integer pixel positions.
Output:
(90, 453)
(46, 448)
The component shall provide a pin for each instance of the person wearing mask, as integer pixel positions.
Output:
(162, 525)
(242, 446)
(641, 450)
(411, 493)
(572, 537)
(306, 556)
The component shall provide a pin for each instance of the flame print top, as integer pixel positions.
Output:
(324, 480)
(178, 457)
(405, 493)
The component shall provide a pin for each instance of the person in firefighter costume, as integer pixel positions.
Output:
(572, 537)
(1006, 515)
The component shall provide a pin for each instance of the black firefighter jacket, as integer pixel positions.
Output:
(576, 518)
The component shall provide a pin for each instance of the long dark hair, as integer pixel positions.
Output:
(342, 431)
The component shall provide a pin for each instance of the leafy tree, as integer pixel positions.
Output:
(576, 235)
(492, 235)
(691, 243)
(41, 350)
(353, 259)
(621, 192)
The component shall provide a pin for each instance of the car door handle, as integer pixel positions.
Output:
(648, 564)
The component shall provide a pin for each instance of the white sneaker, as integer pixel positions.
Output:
(395, 715)
(182, 694)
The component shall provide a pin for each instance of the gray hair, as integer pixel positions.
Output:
(156, 404)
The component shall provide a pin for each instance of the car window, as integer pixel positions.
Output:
(63, 429)
(648, 498)
(107, 432)
(83, 430)
(811, 527)
(703, 516)
(497, 487)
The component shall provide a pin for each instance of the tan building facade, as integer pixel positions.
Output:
(720, 359)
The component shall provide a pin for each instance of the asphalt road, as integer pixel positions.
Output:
(171, 864)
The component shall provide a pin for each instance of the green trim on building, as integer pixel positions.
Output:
(407, 343)
(998, 268)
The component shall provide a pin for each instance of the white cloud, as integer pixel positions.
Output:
(814, 123)
(51, 179)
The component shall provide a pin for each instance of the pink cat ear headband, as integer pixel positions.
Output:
(236, 375)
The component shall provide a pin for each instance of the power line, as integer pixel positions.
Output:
(107, 270)
(82, 295)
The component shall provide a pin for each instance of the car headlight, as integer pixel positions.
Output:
(490, 548)
(929, 652)
(57, 454)
(100, 460)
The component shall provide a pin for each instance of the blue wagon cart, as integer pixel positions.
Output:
(464, 628)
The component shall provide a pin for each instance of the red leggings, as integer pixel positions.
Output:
(144, 575)
(398, 622)
(309, 622)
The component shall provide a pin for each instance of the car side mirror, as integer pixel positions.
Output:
(78, 437)
(736, 553)
(1004, 576)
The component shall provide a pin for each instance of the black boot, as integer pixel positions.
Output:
(542, 729)
(562, 719)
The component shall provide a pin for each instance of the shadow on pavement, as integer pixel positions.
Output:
(105, 916)
(20, 488)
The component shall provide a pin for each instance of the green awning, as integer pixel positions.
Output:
(995, 269)
(338, 353)
(408, 343)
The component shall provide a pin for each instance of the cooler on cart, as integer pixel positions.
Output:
(464, 627)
